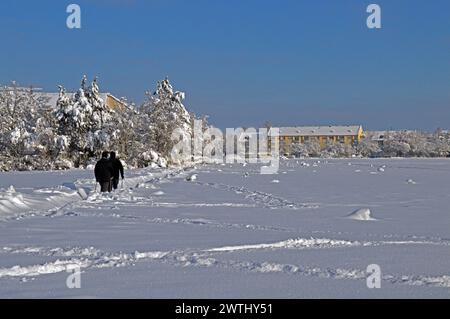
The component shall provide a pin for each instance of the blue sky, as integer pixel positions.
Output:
(292, 62)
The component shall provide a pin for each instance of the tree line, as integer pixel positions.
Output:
(37, 136)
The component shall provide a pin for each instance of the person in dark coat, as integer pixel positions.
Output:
(117, 169)
(104, 173)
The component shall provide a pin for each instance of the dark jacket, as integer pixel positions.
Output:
(117, 167)
(103, 171)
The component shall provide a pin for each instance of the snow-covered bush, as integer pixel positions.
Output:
(310, 148)
(334, 149)
(406, 144)
(300, 150)
(368, 148)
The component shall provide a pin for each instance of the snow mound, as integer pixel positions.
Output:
(11, 201)
(191, 178)
(361, 214)
(14, 203)
(83, 193)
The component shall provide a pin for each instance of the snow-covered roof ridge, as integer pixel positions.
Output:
(53, 97)
(331, 130)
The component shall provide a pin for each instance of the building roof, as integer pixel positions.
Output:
(53, 97)
(350, 130)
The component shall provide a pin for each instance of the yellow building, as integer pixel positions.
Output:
(349, 135)
(112, 102)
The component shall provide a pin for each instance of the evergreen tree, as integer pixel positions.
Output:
(162, 114)
(85, 122)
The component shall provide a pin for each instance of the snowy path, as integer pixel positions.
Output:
(230, 234)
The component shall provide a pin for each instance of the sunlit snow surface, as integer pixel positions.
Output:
(231, 232)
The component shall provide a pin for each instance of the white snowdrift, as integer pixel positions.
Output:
(298, 243)
(13, 203)
(361, 214)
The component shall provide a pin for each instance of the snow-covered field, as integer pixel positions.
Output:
(231, 232)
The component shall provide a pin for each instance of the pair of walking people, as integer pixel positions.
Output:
(108, 171)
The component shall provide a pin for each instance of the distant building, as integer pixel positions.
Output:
(288, 136)
(110, 100)
(379, 136)
(113, 102)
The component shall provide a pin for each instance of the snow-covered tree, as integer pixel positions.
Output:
(313, 147)
(310, 148)
(334, 149)
(85, 122)
(300, 150)
(161, 115)
(368, 148)
(21, 110)
(124, 138)
(73, 114)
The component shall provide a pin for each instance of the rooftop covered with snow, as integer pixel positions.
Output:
(343, 130)
(53, 97)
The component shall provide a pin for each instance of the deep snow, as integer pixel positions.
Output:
(231, 232)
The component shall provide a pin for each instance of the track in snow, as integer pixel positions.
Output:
(90, 257)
